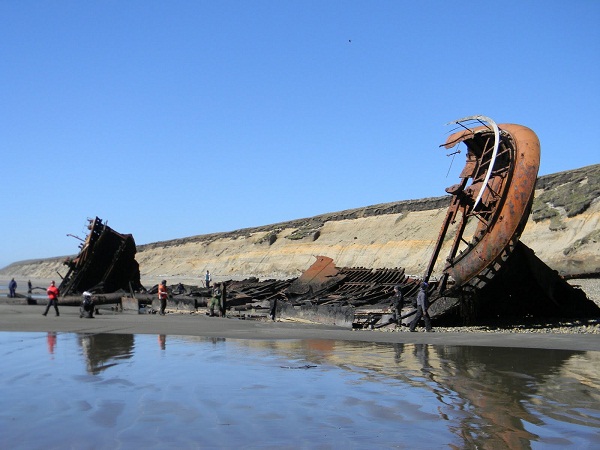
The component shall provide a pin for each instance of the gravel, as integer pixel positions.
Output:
(583, 326)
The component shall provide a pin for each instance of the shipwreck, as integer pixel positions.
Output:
(487, 273)
(479, 270)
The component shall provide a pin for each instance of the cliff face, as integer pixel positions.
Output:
(563, 230)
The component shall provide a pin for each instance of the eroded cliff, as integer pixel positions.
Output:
(563, 230)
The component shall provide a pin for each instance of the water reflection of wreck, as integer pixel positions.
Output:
(102, 351)
(105, 264)
(493, 393)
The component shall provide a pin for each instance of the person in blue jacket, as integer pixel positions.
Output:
(12, 287)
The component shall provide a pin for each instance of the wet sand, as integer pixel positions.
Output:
(29, 318)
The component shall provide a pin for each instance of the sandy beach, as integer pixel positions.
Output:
(29, 318)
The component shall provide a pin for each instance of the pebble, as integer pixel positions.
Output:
(591, 326)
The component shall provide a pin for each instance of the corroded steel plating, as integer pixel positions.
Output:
(496, 189)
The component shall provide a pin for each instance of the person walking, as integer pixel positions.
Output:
(273, 308)
(29, 292)
(422, 306)
(162, 296)
(207, 279)
(53, 294)
(12, 287)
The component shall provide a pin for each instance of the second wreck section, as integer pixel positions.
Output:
(105, 264)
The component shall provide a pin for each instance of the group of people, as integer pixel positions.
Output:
(422, 306)
(52, 293)
(12, 288)
(218, 300)
(86, 308)
(217, 305)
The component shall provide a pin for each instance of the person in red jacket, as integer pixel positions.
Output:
(53, 294)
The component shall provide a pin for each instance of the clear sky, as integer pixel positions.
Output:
(178, 118)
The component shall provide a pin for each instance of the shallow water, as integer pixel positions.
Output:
(110, 391)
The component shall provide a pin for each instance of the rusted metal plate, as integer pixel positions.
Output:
(512, 186)
(491, 202)
(320, 275)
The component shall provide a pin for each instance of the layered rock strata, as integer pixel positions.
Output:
(563, 230)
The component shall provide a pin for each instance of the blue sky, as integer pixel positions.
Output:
(177, 118)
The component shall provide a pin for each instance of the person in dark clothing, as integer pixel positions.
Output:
(87, 306)
(30, 300)
(223, 305)
(396, 304)
(12, 287)
(273, 308)
(422, 306)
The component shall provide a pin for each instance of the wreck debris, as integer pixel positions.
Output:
(105, 264)
(325, 283)
(349, 296)
(320, 275)
(324, 293)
